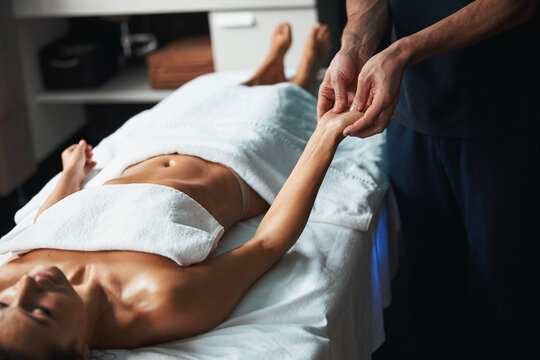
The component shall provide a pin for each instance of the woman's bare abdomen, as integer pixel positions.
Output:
(212, 185)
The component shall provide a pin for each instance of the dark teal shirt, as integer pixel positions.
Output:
(490, 87)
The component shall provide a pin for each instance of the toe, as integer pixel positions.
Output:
(284, 28)
(323, 33)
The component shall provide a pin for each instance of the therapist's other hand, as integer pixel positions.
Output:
(77, 161)
(339, 84)
(377, 92)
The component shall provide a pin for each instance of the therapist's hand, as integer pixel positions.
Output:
(377, 92)
(77, 161)
(339, 85)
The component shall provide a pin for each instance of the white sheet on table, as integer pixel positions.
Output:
(323, 300)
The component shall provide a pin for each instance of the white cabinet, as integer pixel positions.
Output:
(55, 115)
(240, 40)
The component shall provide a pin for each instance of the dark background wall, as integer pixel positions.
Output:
(333, 14)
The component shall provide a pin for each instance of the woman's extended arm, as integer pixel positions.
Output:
(216, 285)
(288, 215)
(76, 163)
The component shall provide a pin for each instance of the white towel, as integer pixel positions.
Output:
(138, 217)
(259, 132)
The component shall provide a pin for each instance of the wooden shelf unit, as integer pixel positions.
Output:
(55, 115)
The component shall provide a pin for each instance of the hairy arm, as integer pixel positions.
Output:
(477, 21)
(365, 27)
(379, 81)
(366, 22)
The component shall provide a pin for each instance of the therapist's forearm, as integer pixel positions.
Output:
(475, 22)
(67, 185)
(366, 23)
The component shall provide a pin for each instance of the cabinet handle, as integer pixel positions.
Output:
(234, 19)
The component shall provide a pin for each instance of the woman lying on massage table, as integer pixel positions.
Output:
(71, 301)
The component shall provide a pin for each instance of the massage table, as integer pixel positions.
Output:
(324, 299)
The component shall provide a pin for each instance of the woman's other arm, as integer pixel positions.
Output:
(76, 163)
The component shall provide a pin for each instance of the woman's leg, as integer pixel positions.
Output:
(315, 53)
(272, 69)
(317, 48)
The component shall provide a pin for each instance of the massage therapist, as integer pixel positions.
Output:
(461, 79)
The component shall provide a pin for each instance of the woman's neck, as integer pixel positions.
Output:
(94, 296)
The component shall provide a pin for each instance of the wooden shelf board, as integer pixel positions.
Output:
(130, 85)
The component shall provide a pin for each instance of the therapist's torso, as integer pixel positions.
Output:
(486, 88)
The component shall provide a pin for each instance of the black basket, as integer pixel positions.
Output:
(67, 63)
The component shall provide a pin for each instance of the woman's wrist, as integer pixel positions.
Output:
(328, 135)
(72, 177)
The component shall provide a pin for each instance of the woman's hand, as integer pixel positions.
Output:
(77, 161)
(333, 125)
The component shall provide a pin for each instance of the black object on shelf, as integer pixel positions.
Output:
(70, 63)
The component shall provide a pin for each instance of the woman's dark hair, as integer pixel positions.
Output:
(68, 354)
(6, 354)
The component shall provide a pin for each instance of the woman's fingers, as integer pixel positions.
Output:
(71, 148)
(89, 166)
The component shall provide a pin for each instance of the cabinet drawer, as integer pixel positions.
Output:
(240, 40)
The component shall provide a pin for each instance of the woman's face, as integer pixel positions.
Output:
(41, 313)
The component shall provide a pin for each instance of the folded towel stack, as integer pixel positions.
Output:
(180, 62)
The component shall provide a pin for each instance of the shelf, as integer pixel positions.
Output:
(68, 8)
(130, 85)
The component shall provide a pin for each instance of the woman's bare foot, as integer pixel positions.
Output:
(272, 70)
(317, 48)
